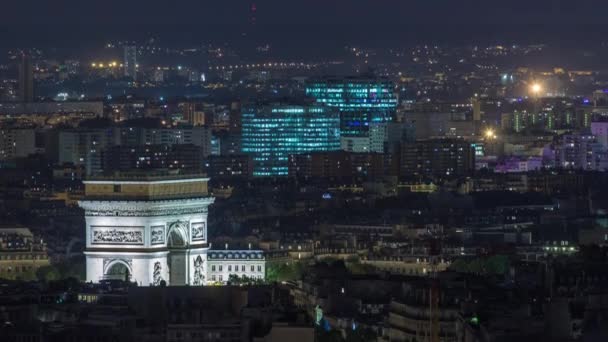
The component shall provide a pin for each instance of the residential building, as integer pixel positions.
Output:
(445, 157)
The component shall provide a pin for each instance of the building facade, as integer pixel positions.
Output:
(222, 264)
(229, 166)
(85, 147)
(600, 130)
(125, 157)
(199, 136)
(580, 151)
(446, 157)
(361, 101)
(21, 253)
(410, 321)
(15, 143)
(338, 164)
(270, 133)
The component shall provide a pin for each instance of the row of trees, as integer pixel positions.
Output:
(244, 280)
(70, 268)
(493, 265)
(284, 271)
(275, 271)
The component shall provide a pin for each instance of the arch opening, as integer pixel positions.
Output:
(177, 237)
(118, 271)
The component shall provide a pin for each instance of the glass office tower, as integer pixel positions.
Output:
(271, 132)
(361, 101)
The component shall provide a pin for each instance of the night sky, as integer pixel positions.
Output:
(27, 22)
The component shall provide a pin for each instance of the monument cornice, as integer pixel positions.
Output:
(146, 208)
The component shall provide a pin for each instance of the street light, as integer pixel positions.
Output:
(536, 88)
(490, 134)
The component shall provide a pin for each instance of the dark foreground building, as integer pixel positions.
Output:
(437, 157)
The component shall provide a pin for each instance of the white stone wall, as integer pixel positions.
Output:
(197, 273)
(94, 268)
(140, 265)
(220, 270)
(126, 234)
(146, 224)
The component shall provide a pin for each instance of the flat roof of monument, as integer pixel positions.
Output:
(15, 229)
(138, 177)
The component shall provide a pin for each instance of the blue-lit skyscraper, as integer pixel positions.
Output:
(271, 132)
(361, 101)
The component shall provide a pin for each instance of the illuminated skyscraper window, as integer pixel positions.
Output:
(361, 101)
(270, 133)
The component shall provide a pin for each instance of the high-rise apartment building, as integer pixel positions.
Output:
(580, 151)
(84, 147)
(26, 79)
(130, 62)
(600, 130)
(15, 143)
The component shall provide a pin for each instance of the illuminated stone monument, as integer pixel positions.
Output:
(147, 227)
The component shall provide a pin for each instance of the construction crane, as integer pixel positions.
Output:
(434, 295)
(434, 292)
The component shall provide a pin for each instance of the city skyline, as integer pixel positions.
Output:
(304, 171)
